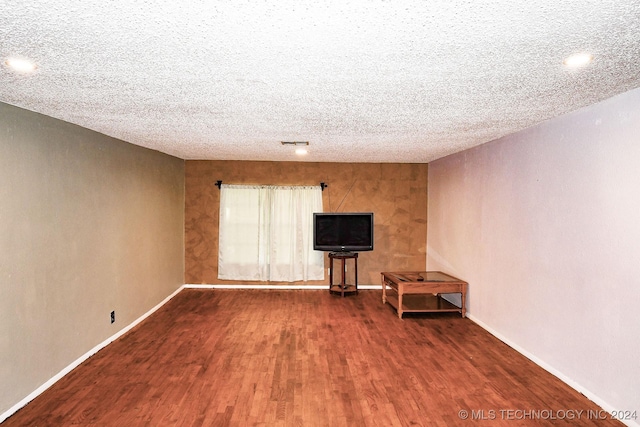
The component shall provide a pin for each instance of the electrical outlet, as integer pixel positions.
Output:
(113, 317)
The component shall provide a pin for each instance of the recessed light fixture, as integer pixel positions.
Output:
(578, 60)
(20, 65)
(299, 151)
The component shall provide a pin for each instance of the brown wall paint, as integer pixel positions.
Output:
(396, 193)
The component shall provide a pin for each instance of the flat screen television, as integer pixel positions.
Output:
(343, 232)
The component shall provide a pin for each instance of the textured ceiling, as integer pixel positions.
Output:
(362, 81)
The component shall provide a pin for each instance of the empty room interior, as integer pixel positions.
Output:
(497, 143)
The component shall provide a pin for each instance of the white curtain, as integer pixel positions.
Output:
(266, 233)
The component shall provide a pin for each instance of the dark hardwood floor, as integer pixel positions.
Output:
(305, 358)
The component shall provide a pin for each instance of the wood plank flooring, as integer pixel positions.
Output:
(305, 358)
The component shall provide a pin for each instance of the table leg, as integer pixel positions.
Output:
(343, 283)
(400, 291)
(463, 306)
(356, 274)
(330, 273)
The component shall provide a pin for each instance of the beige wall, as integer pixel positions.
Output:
(88, 224)
(396, 193)
(545, 226)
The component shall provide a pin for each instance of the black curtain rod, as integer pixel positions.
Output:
(322, 185)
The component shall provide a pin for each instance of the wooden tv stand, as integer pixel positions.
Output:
(343, 288)
(425, 287)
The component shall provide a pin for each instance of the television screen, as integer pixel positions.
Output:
(343, 232)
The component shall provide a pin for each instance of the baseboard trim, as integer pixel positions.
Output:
(591, 396)
(82, 358)
(94, 350)
(571, 383)
(276, 287)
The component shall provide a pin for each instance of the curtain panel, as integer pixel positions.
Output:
(266, 233)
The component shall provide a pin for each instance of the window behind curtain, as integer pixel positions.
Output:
(266, 233)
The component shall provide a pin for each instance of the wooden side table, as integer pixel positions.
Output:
(343, 287)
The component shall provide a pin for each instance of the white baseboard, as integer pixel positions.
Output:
(126, 329)
(277, 287)
(82, 358)
(576, 386)
(591, 396)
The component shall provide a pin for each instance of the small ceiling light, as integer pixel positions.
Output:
(20, 65)
(301, 151)
(578, 60)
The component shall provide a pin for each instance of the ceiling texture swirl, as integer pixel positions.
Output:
(361, 81)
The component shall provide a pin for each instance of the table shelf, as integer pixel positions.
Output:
(423, 304)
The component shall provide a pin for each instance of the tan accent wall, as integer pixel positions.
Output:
(396, 193)
(88, 224)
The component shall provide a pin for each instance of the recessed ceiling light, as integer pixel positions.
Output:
(578, 60)
(301, 151)
(20, 65)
